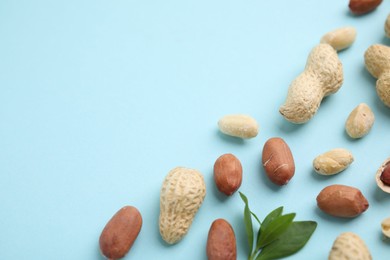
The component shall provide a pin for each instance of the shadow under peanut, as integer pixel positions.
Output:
(230, 139)
(336, 220)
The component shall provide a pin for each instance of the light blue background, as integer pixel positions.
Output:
(100, 99)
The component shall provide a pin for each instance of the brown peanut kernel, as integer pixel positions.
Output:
(385, 176)
(228, 174)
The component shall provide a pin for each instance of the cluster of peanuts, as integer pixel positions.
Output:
(183, 189)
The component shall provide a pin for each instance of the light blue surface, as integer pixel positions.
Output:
(99, 100)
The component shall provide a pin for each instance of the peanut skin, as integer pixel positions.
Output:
(278, 161)
(382, 176)
(228, 174)
(221, 241)
(359, 7)
(120, 233)
(342, 201)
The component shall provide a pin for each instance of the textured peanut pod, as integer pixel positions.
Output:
(120, 232)
(359, 7)
(181, 196)
(221, 241)
(340, 38)
(333, 161)
(377, 60)
(342, 201)
(387, 26)
(359, 121)
(228, 173)
(349, 246)
(238, 125)
(382, 176)
(323, 75)
(278, 161)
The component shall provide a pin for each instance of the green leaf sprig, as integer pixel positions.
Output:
(278, 235)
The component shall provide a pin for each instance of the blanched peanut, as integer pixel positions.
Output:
(340, 38)
(238, 125)
(359, 121)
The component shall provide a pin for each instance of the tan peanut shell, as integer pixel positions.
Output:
(221, 241)
(377, 60)
(340, 38)
(383, 186)
(323, 75)
(333, 161)
(181, 196)
(387, 26)
(278, 161)
(359, 121)
(239, 125)
(228, 173)
(349, 246)
(120, 232)
(342, 201)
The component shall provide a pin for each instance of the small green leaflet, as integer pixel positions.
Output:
(268, 219)
(278, 236)
(248, 222)
(271, 216)
(290, 241)
(275, 228)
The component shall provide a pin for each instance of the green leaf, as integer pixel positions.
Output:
(248, 222)
(268, 219)
(290, 242)
(257, 219)
(271, 216)
(274, 229)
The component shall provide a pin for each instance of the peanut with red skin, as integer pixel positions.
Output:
(342, 201)
(385, 176)
(121, 231)
(382, 176)
(221, 241)
(278, 161)
(228, 174)
(359, 7)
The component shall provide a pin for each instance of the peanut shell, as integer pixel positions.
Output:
(349, 246)
(323, 75)
(181, 196)
(382, 185)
